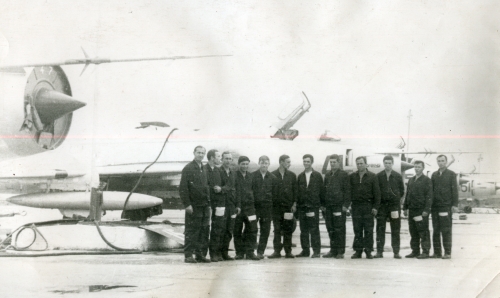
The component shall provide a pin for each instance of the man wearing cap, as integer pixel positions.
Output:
(365, 197)
(417, 208)
(218, 204)
(195, 195)
(245, 225)
(232, 206)
(284, 208)
(334, 205)
(392, 190)
(445, 201)
(310, 185)
(266, 190)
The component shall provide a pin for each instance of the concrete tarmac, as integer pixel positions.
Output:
(472, 272)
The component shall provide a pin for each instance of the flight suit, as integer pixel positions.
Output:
(265, 191)
(217, 201)
(337, 195)
(365, 196)
(391, 190)
(284, 227)
(228, 189)
(245, 225)
(194, 191)
(419, 199)
(309, 201)
(445, 195)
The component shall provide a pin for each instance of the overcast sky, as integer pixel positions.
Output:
(363, 65)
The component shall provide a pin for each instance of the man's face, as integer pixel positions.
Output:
(361, 165)
(334, 164)
(216, 158)
(307, 163)
(286, 163)
(263, 165)
(419, 169)
(227, 159)
(388, 165)
(199, 154)
(441, 162)
(244, 166)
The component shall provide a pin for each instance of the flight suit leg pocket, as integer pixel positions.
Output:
(206, 214)
(337, 220)
(287, 222)
(419, 223)
(444, 221)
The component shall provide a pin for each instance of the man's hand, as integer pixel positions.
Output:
(425, 214)
(238, 210)
(454, 209)
(189, 209)
(374, 212)
(405, 213)
(294, 208)
(217, 189)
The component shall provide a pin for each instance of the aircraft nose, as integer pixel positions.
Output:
(406, 166)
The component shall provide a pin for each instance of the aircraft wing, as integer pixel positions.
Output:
(51, 166)
(135, 169)
(160, 180)
(38, 174)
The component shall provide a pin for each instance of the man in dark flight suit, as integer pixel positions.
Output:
(284, 208)
(417, 208)
(265, 191)
(392, 190)
(245, 225)
(218, 204)
(365, 201)
(310, 184)
(233, 207)
(335, 204)
(195, 195)
(445, 201)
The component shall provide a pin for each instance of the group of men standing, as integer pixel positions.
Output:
(221, 203)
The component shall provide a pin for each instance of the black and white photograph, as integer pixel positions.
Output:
(249, 148)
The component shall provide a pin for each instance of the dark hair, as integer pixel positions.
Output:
(242, 159)
(211, 153)
(198, 147)
(284, 157)
(388, 157)
(420, 163)
(308, 156)
(263, 158)
(442, 155)
(335, 156)
(225, 152)
(363, 158)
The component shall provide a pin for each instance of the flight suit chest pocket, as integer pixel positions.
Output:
(197, 177)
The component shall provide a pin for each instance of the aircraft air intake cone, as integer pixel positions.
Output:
(52, 105)
(406, 166)
(462, 181)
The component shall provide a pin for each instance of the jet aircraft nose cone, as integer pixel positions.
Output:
(406, 166)
(52, 105)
